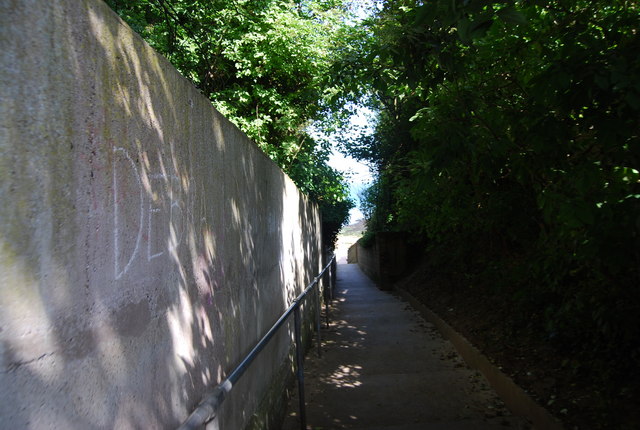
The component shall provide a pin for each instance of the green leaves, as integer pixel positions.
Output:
(265, 65)
(469, 30)
(511, 15)
(508, 136)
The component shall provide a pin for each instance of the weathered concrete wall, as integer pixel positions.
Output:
(384, 261)
(145, 243)
(352, 254)
(368, 260)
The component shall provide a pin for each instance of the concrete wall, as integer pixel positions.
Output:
(384, 261)
(368, 260)
(145, 243)
(352, 254)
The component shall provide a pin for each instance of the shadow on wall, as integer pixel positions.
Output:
(145, 243)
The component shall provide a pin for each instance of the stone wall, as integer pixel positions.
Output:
(145, 243)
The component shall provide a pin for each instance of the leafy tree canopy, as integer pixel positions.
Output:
(507, 139)
(508, 136)
(264, 64)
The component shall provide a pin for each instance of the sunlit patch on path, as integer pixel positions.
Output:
(384, 367)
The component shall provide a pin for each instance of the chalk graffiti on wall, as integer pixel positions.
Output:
(154, 250)
(121, 269)
(150, 213)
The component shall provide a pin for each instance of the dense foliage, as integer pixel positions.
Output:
(508, 136)
(264, 64)
(507, 139)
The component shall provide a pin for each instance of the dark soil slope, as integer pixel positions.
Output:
(557, 380)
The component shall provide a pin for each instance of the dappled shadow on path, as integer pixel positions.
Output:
(383, 366)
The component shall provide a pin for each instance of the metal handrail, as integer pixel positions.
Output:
(208, 407)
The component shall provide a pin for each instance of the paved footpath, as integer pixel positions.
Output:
(385, 368)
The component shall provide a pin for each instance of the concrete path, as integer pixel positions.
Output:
(384, 367)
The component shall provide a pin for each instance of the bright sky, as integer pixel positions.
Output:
(358, 174)
(362, 8)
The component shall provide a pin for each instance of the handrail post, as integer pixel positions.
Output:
(208, 407)
(318, 310)
(300, 370)
(327, 295)
(332, 274)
